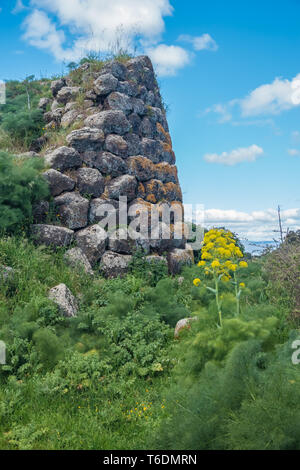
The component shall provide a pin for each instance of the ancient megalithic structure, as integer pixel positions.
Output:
(118, 146)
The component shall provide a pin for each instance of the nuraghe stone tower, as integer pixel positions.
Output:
(118, 145)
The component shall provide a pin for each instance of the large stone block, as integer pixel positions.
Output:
(72, 210)
(52, 235)
(92, 241)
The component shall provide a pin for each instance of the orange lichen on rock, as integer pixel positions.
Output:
(164, 135)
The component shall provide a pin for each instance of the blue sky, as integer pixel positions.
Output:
(228, 72)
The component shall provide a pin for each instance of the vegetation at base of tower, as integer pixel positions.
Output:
(115, 378)
(21, 186)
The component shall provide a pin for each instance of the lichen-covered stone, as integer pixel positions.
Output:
(125, 185)
(111, 122)
(107, 209)
(92, 241)
(51, 235)
(72, 210)
(151, 149)
(65, 94)
(86, 138)
(133, 144)
(177, 259)
(115, 265)
(155, 191)
(58, 182)
(166, 173)
(77, 260)
(116, 68)
(110, 164)
(119, 101)
(57, 85)
(121, 242)
(90, 182)
(64, 299)
(63, 158)
(116, 145)
(142, 168)
(105, 84)
(6, 273)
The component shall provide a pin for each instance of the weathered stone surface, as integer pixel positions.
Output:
(128, 88)
(173, 192)
(135, 122)
(67, 93)
(160, 241)
(87, 138)
(111, 122)
(155, 191)
(147, 128)
(119, 102)
(116, 145)
(177, 259)
(63, 158)
(40, 212)
(105, 84)
(183, 325)
(90, 182)
(52, 235)
(122, 186)
(142, 168)
(6, 273)
(166, 173)
(70, 117)
(43, 103)
(152, 149)
(58, 182)
(121, 242)
(107, 209)
(73, 210)
(92, 241)
(117, 69)
(57, 85)
(110, 164)
(77, 260)
(64, 299)
(115, 265)
(133, 144)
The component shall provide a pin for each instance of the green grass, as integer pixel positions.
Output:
(115, 378)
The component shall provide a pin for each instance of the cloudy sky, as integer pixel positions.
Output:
(229, 73)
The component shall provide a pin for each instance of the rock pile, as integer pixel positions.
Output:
(118, 146)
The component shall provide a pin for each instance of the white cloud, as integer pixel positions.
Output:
(293, 152)
(96, 24)
(280, 95)
(248, 154)
(200, 43)
(41, 33)
(254, 226)
(168, 59)
(268, 99)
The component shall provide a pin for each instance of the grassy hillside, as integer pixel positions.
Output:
(115, 378)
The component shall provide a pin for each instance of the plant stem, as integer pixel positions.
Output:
(237, 295)
(218, 299)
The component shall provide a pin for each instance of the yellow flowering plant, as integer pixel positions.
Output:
(221, 258)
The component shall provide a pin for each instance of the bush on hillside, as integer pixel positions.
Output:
(21, 187)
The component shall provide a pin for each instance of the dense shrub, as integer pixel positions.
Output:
(21, 187)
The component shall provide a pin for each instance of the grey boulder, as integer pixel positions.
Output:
(64, 299)
(113, 264)
(90, 182)
(58, 182)
(77, 260)
(63, 158)
(73, 210)
(52, 235)
(92, 241)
